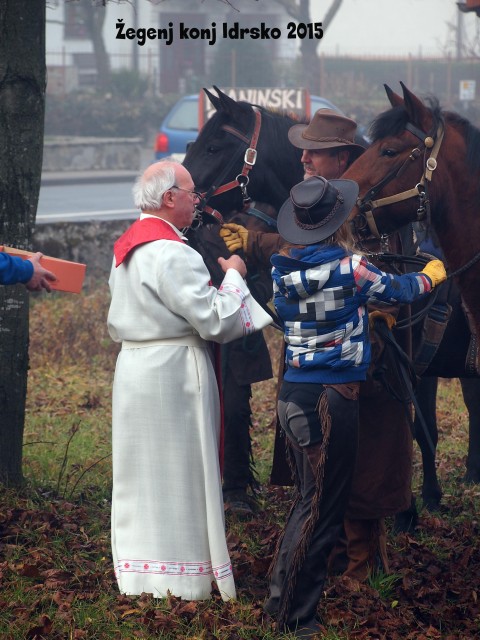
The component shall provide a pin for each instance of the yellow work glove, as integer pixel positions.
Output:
(235, 236)
(381, 315)
(435, 271)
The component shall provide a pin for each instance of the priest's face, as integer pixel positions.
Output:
(185, 198)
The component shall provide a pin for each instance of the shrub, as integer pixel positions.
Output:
(109, 115)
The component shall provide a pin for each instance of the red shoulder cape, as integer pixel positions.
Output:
(140, 232)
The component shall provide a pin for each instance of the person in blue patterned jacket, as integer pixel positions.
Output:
(321, 288)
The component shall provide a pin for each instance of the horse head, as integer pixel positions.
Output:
(400, 165)
(423, 164)
(242, 152)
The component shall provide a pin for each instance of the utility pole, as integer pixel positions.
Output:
(135, 64)
(459, 38)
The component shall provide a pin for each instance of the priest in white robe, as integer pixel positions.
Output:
(168, 529)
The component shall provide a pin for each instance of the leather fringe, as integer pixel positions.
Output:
(296, 481)
(311, 521)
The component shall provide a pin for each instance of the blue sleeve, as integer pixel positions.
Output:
(14, 269)
(373, 283)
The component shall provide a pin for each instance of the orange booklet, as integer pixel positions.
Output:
(70, 275)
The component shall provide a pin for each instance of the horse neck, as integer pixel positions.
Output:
(454, 192)
(455, 211)
(275, 188)
(278, 164)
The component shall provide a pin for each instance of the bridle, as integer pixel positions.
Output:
(367, 204)
(242, 179)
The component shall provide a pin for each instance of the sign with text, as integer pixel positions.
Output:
(467, 89)
(296, 101)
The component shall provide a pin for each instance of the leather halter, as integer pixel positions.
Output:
(367, 205)
(242, 179)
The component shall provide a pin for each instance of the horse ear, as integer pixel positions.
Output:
(226, 103)
(394, 99)
(417, 111)
(213, 99)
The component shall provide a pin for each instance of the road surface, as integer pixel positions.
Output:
(83, 202)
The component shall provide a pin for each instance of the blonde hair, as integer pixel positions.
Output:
(343, 237)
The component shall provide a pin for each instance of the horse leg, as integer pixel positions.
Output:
(406, 521)
(426, 395)
(238, 474)
(471, 397)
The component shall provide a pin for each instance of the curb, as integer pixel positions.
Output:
(86, 177)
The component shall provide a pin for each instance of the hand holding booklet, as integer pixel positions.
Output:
(70, 275)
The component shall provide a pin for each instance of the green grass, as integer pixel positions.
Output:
(56, 578)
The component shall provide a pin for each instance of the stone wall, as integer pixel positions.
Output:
(88, 154)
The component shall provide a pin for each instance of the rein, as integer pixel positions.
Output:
(420, 260)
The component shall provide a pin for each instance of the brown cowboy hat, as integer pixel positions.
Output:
(327, 130)
(316, 209)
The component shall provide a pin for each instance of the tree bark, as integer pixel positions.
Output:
(94, 16)
(300, 11)
(22, 110)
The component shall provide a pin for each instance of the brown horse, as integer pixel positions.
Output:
(424, 164)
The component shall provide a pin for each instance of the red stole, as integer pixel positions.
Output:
(140, 232)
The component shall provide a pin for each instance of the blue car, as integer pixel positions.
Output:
(180, 126)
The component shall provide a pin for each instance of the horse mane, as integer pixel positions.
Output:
(393, 121)
(471, 135)
(292, 116)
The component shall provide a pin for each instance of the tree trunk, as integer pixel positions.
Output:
(94, 16)
(300, 11)
(22, 110)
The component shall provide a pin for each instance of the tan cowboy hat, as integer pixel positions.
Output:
(316, 209)
(327, 130)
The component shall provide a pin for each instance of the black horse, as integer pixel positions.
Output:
(243, 156)
(223, 162)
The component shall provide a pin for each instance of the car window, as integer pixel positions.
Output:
(185, 117)
(321, 103)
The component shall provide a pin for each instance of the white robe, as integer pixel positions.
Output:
(168, 530)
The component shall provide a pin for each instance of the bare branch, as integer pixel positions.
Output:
(292, 8)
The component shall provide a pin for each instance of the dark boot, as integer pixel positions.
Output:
(239, 482)
(366, 547)
(338, 559)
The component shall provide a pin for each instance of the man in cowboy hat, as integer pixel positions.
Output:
(328, 144)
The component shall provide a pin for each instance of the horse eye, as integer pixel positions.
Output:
(390, 153)
(212, 149)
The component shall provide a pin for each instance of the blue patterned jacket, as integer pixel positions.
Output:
(14, 269)
(320, 293)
